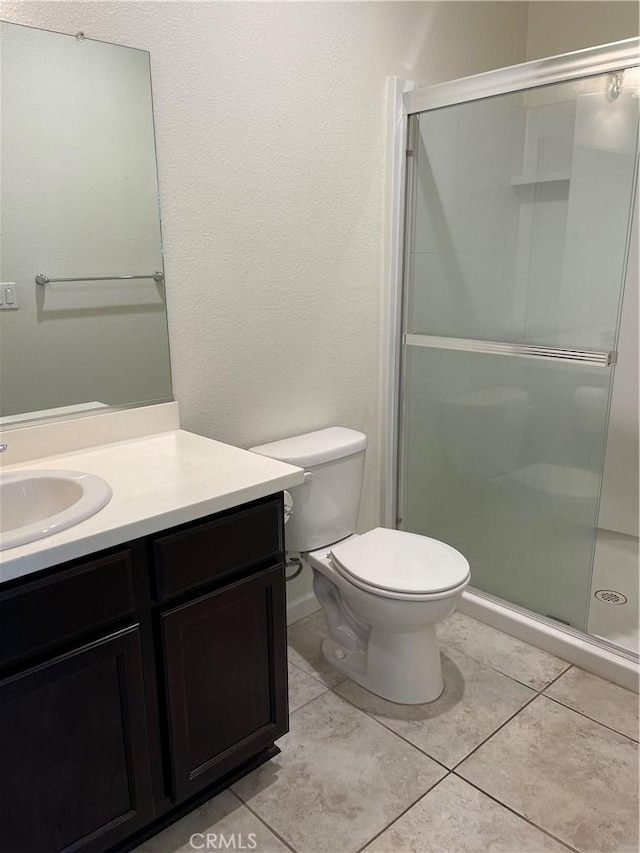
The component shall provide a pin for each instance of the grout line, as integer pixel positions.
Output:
(262, 821)
(457, 766)
(516, 813)
(495, 732)
(310, 674)
(506, 722)
(315, 678)
(403, 812)
(308, 702)
(559, 675)
(445, 644)
(448, 771)
(374, 719)
(327, 689)
(537, 692)
(553, 680)
(397, 734)
(297, 665)
(591, 719)
(291, 663)
(421, 749)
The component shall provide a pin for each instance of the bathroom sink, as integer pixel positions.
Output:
(35, 504)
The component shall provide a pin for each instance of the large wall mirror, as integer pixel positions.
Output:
(80, 208)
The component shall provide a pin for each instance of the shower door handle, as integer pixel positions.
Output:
(595, 358)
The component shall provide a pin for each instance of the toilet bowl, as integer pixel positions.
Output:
(382, 592)
(385, 639)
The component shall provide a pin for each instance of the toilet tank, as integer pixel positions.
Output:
(325, 506)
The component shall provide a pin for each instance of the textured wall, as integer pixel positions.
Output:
(271, 128)
(559, 27)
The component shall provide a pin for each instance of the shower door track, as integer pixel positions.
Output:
(593, 357)
(591, 61)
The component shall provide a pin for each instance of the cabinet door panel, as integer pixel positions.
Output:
(225, 659)
(74, 753)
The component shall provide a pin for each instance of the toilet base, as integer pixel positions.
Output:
(401, 667)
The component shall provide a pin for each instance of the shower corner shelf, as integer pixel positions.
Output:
(542, 178)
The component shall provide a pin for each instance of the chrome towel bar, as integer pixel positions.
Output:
(44, 279)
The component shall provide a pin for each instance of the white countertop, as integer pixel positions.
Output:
(158, 481)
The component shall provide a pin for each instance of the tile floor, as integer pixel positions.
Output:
(522, 753)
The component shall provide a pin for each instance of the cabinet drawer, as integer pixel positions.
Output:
(51, 610)
(211, 550)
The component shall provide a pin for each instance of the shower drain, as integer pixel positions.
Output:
(610, 596)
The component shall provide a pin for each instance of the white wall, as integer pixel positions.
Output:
(558, 27)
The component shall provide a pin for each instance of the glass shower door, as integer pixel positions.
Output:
(519, 209)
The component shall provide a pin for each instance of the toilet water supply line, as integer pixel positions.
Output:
(298, 564)
(292, 562)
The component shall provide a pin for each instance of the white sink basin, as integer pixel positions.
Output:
(35, 504)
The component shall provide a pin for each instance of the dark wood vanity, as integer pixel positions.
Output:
(137, 682)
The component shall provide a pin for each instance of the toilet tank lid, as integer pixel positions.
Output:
(315, 448)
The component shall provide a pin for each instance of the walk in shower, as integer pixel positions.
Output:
(520, 201)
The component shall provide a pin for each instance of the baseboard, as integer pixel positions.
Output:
(570, 645)
(301, 607)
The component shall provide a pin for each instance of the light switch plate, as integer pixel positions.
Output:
(8, 296)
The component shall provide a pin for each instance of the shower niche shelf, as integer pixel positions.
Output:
(542, 178)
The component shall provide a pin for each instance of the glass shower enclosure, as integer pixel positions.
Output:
(517, 234)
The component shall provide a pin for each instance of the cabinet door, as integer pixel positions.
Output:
(74, 760)
(226, 681)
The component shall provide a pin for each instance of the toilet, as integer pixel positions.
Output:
(383, 592)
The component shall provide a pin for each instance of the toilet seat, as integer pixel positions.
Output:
(397, 564)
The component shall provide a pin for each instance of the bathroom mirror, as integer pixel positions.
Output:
(80, 212)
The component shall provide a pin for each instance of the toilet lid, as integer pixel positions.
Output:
(402, 562)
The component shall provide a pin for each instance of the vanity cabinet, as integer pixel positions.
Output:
(137, 683)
